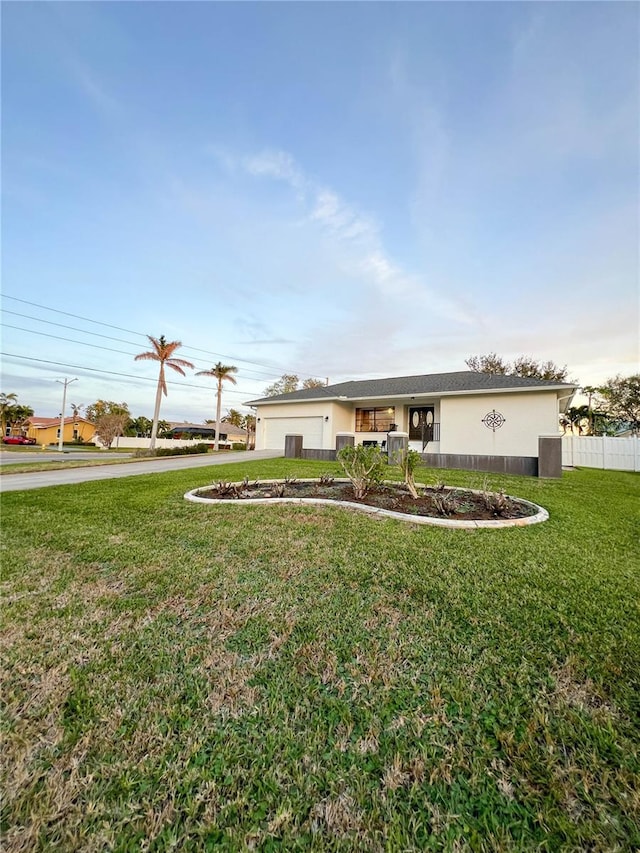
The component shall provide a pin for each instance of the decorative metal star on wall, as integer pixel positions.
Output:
(493, 420)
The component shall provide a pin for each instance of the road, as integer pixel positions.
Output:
(8, 457)
(40, 479)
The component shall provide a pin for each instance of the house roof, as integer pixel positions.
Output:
(464, 381)
(43, 423)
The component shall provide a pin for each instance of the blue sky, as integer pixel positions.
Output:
(339, 190)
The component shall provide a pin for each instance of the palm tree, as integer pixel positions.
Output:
(162, 351)
(7, 403)
(219, 372)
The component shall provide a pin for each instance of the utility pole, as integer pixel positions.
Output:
(65, 383)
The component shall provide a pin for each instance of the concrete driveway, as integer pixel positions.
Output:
(40, 479)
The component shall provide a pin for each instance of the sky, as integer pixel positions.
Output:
(336, 190)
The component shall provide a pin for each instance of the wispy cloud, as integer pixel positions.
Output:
(358, 239)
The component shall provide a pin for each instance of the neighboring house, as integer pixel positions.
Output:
(464, 413)
(47, 430)
(231, 434)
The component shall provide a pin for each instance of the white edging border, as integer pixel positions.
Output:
(541, 514)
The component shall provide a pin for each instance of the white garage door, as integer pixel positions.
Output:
(275, 430)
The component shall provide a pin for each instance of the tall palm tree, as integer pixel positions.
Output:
(219, 372)
(162, 351)
(7, 403)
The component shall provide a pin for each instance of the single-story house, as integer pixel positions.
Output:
(462, 414)
(47, 430)
(231, 434)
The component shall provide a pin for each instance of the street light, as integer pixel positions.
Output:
(65, 383)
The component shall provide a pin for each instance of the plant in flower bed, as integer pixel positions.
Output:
(365, 468)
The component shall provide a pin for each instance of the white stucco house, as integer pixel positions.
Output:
(462, 413)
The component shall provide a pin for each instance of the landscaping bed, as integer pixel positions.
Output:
(432, 502)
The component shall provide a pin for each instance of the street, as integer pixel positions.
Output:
(41, 479)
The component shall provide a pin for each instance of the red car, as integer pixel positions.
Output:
(18, 439)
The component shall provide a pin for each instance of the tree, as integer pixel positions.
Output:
(76, 409)
(105, 407)
(576, 416)
(235, 418)
(110, 426)
(491, 363)
(221, 372)
(139, 426)
(162, 352)
(249, 423)
(7, 402)
(289, 382)
(18, 414)
(620, 397)
(524, 366)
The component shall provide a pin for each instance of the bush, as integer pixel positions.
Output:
(238, 445)
(364, 466)
(174, 451)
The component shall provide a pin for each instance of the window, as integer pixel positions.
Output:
(75, 434)
(58, 433)
(375, 420)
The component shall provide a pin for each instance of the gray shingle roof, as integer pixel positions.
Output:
(401, 386)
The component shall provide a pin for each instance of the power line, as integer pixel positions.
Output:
(258, 374)
(77, 368)
(73, 341)
(140, 334)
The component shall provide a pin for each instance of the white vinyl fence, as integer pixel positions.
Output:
(136, 443)
(618, 454)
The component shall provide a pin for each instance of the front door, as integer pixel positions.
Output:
(421, 424)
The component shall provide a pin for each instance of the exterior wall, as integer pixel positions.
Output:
(340, 418)
(527, 416)
(49, 434)
(462, 432)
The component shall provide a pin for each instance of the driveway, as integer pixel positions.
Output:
(40, 479)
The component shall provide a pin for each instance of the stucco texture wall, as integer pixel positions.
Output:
(341, 418)
(527, 416)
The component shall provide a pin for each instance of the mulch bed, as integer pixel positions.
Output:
(432, 502)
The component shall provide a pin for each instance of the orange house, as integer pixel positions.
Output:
(47, 430)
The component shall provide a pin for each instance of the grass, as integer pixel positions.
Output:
(293, 678)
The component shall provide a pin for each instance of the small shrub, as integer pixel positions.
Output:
(278, 490)
(364, 466)
(325, 480)
(237, 445)
(496, 502)
(446, 503)
(408, 463)
(232, 490)
(289, 481)
(189, 450)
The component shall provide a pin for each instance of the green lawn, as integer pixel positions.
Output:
(190, 677)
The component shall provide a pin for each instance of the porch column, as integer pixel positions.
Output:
(397, 446)
(344, 439)
(550, 456)
(293, 446)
